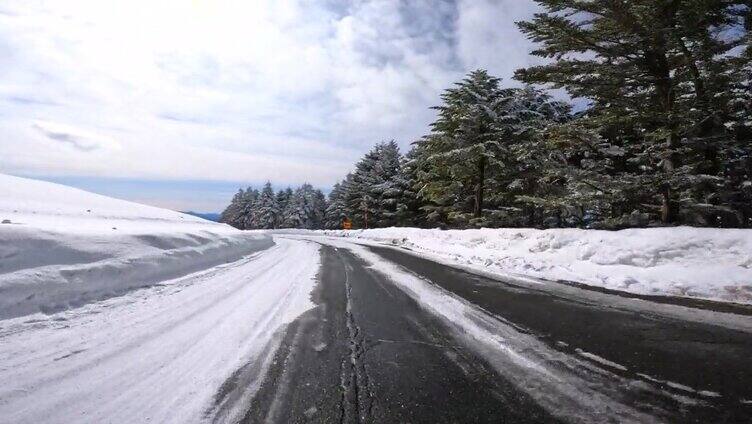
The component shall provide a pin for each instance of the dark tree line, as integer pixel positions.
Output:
(665, 139)
(252, 209)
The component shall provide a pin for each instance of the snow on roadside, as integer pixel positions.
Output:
(189, 351)
(703, 263)
(61, 247)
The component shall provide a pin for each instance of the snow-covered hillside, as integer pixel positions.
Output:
(692, 262)
(62, 247)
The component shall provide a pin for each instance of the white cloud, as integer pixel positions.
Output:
(290, 91)
(485, 23)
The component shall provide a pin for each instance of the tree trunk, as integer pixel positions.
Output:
(664, 88)
(667, 209)
(478, 209)
(660, 68)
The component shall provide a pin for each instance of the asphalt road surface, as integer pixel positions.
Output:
(370, 352)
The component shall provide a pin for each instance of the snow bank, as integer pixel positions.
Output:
(62, 247)
(193, 350)
(704, 263)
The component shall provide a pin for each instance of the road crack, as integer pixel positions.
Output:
(357, 396)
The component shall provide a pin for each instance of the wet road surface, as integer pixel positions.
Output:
(370, 353)
(705, 357)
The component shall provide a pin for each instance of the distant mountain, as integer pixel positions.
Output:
(209, 216)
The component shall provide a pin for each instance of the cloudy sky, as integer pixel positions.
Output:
(176, 103)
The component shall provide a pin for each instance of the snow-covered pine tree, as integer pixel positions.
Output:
(248, 208)
(522, 119)
(386, 190)
(233, 213)
(461, 151)
(371, 194)
(582, 179)
(409, 212)
(267, 211)
(283, 198)
(291, 214)
(336, 210)
(736, 192)
(656, 69)
(358, 194)
(318, 201)
(305, 208)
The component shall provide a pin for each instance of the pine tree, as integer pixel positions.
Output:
(283, 199)
(372, 192)
(318, 208)
(337, 208)
(336, 211)
(248, 209)
(408, 204)
(266, 210)
(583, 179)
(738, 163)
(305, 209)
(358, 196)
(656, 68)
(523, 118)
(462, 148)
(384, 188)
(232, 215)
(292, 213)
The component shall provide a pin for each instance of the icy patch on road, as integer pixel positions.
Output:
(600, 360)
(708, 263)
(680, 387)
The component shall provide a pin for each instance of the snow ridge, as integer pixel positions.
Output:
(61, 247)
(707, 263)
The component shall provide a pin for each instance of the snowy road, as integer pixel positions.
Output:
(317, 329)
(155, 355)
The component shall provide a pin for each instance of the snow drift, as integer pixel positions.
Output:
(62, 247)
(193, 350)
(703, 263)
